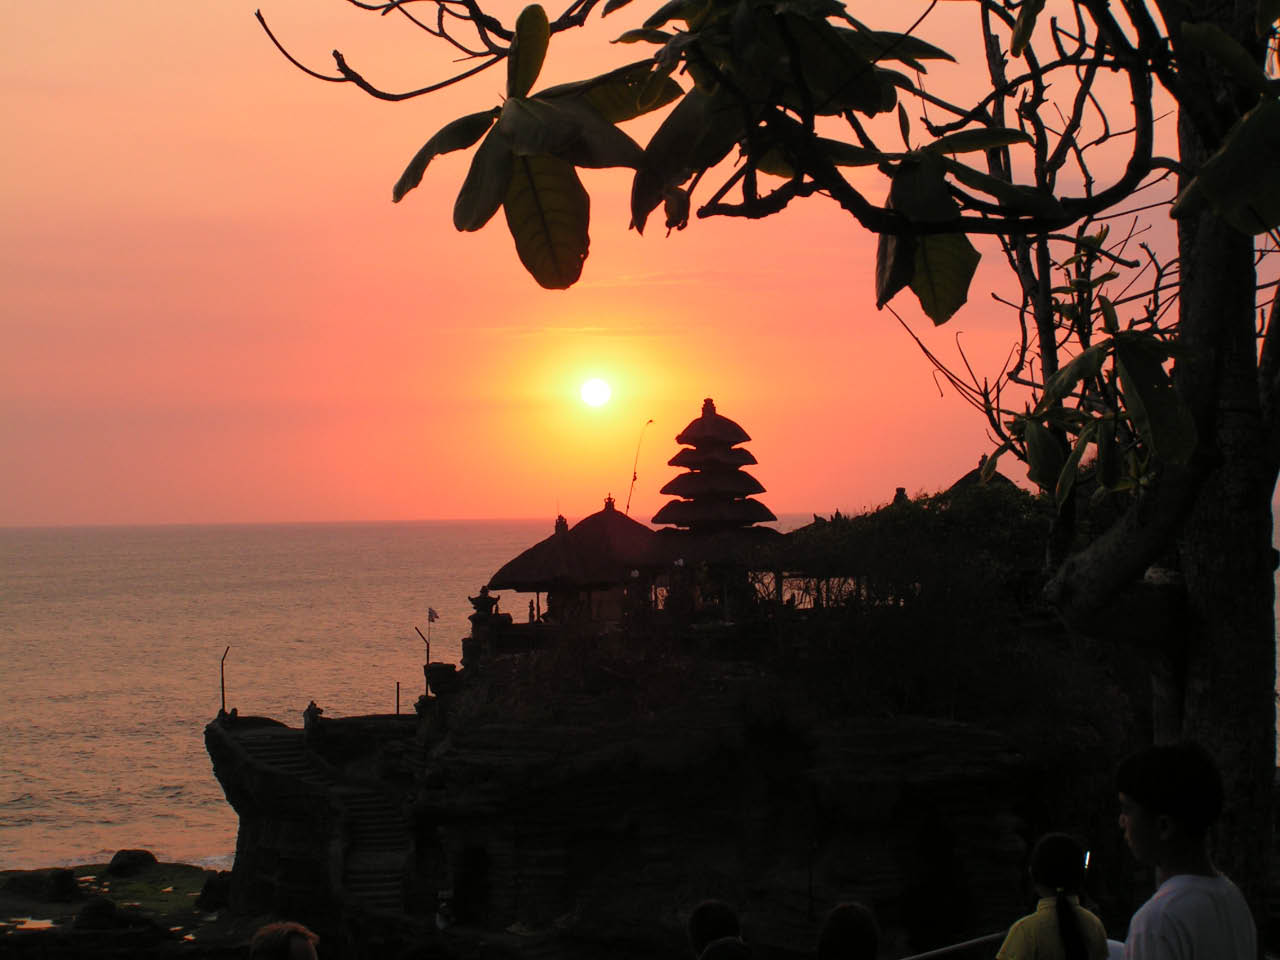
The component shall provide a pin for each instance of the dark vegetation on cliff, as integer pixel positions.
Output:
(909, 734)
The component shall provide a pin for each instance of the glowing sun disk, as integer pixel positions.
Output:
(595, 392)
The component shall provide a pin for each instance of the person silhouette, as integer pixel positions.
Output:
(283, 941)
(849, 932)
(1060, 929)
(484, 604)
(1170, 796)
(711, 920)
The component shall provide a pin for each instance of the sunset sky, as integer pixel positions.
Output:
(213, 312)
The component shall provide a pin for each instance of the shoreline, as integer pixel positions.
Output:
(133, 905)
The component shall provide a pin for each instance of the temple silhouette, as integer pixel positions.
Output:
(616, 745)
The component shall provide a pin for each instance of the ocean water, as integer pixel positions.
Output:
(110, 641)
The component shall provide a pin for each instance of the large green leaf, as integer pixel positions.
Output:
(841, 154)
(697, 134)
(1241, 181)
(836, 76)
(1108, 465)
(621, 94)
(846, 154)
(569, 129)
(1084, 366)
(486, 183)
(919, 192)
(1017, 197)
(457, 135)
(919, 188)
(944, 267)
(1212, 40)
(1045, 456)
(1025, 24)
(528, 50)
(644, 35)
(548, 212)
(1159, 416)
(989, 464)
(983, 138)
(686, 10)
(895, 265)
(878, 45)
(1067, 476)
(760, 55)
(534, 126)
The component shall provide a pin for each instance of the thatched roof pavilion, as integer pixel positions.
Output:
(597, 552)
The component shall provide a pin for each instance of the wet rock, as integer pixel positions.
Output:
(216, 892)
(127, 863)
(98, 914)
(54, 886)
(101, 913)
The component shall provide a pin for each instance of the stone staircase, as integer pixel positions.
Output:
(374, 867)
(281, 749)
(378, 838)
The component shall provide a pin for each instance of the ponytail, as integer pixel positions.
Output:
(1057, 862)
(1073, 945)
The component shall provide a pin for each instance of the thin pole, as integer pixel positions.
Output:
(634, 464)
(397, 698)
(222, 675)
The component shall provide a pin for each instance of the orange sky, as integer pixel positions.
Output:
(213, 312)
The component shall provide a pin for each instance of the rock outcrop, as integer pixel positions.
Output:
(608, 827)
(558, 804)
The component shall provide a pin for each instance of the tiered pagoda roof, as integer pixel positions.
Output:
(715, 492)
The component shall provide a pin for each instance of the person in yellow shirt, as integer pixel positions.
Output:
(1060, 929)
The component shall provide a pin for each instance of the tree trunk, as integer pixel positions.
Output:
(1225, 547)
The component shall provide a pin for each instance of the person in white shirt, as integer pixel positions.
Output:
(1169, 798)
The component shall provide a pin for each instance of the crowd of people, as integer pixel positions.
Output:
(1170, 796)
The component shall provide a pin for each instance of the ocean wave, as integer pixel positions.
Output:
(116, 747)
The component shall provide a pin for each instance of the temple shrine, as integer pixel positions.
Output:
(714, 491)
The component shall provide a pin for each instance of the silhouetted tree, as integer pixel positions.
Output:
(1187, 458)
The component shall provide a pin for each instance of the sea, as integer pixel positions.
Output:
(112, 644)
(116, 642)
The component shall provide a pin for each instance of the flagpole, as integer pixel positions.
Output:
(634, 464)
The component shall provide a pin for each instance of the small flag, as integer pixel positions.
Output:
(432, 616)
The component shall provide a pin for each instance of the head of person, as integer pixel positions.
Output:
(709, 921)
(849, 932)
(726, 948)
(1057, 864)
(1057, 870)
(1170, 796)
(283, 941)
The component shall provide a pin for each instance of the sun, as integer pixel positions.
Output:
(595, 392)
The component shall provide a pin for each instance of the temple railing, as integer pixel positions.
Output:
(963, 949)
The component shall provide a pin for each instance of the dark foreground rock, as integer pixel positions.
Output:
(573, 807)
(128, 863)
(56, 885)
(86, 912)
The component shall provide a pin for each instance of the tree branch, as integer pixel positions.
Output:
(1269, 383)
(1088, 581)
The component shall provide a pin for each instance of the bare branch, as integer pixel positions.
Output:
(352, 76)
(288, 56)
(348, 75)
